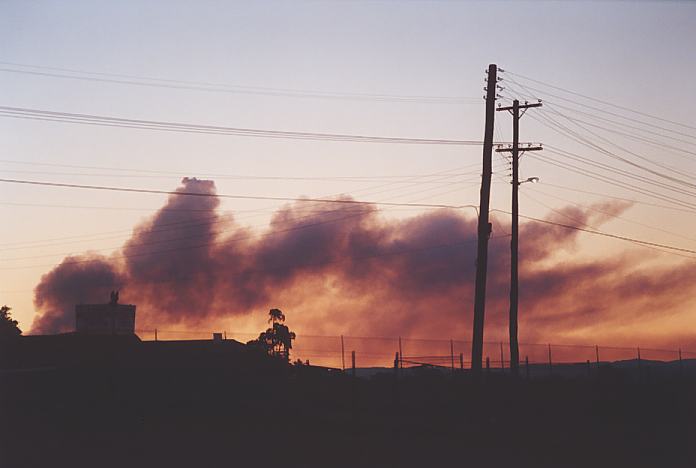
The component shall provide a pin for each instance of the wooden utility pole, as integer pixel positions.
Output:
(514, 241)
(484, 227)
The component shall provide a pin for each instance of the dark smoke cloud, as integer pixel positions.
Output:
(77, 280)
(340, 268)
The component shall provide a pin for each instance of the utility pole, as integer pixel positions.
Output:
(514, 241)
(484, 227)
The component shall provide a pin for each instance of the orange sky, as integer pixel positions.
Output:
(620, 157)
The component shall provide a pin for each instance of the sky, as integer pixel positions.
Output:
(638, 55)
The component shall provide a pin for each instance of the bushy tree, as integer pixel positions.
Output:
(8, 326)
(277, 340)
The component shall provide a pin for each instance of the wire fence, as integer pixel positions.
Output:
(340, 351)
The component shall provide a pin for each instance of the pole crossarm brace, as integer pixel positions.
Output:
(521, 149)
(521, 106)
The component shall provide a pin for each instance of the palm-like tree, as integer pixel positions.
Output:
(277, 340)
(276, 315)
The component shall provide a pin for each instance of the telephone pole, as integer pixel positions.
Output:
(484, 227)
(514, 241)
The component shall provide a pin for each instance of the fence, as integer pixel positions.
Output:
(336, 351)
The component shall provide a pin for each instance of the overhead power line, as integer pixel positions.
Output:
(607, 213)
(240, 197)
(108, 121)
(564, 130)
(605, 234)
(304, 265)
(588, 142)
(532, 93)
(304, 208)
(617, 183)
(601, 101)
(117, 78)
(467, 169)
(605, 195)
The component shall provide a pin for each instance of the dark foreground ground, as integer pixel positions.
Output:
(192, 416)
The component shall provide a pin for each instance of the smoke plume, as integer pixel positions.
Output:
(344, 268)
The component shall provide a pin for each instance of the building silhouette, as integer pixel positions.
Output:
(105, 319)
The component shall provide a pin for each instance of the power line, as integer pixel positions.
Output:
(219, 175)
(108, 121)
(303, 208)
(405, 179)
(600, 101)
(194, 236)
(261, 270)
(621, 172)
(627, 161)
(605, 234)
(229, 88)
(616, 183)
(177, 226)
(606, 213)
(623, 124)
(640, 202)
(530, 94)
(214, 219)
(579, 139)
(581, 223)
(240, 197)
(590, 144)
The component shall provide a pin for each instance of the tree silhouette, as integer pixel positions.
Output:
(8, 326)
(277, 340)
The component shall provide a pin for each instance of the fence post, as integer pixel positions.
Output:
(526, 366)
(550, 362)
(352, 357)
(224, 333)
(640, 376)
(343, 355)
(502, 357)
(395, 388)
(588, 368)
(401, 354)
(596, 350)
(155, 334)
(681, 366)
(452, 353)
(461, 361)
